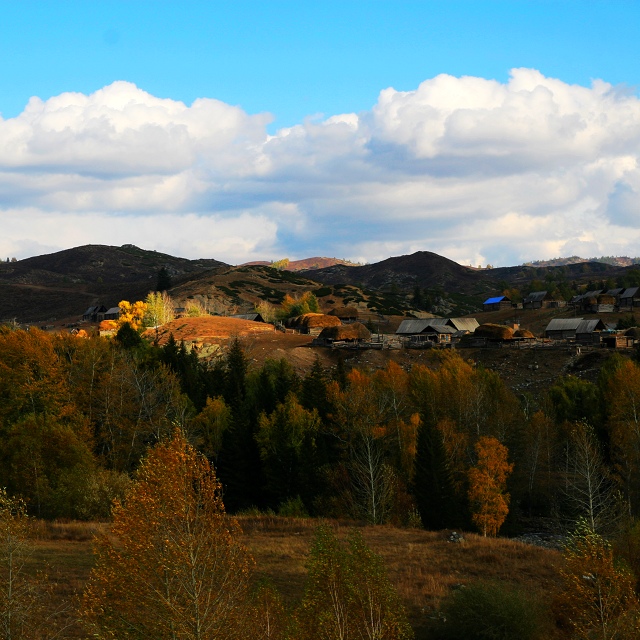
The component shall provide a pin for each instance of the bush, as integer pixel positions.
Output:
(492, 611)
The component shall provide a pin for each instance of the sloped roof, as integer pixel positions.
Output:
(414, 326)
(589, 326)
(460, 324)
(496, 300)
(536, 296)
(615, 292)
(564, 324)
(631, 292)
(113, 310)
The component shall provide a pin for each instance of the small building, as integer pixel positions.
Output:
(602, 303)
(112, 314)
(496, 303)
(589, 299)
(562, 328)
(432, 335)
(616, 293)
(618, 341)
(590, 331)
(630, 297)
(542, 300)
(95, 313)
(468, 325)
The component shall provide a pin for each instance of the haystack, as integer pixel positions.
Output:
(344, 312)
(523, 333)
(350, 332)
(494, 332)
(314, 321)
(604, 298)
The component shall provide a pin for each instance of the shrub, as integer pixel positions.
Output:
(492, 611)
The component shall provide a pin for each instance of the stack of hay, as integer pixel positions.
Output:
(313, 322)
(494, 332)
(348, 332)
(523, 333)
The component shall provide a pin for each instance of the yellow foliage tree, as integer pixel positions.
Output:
(171, 566)
(598, 599)
(487, 484)
(131, 313)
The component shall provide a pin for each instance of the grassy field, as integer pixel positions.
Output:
(424, 566)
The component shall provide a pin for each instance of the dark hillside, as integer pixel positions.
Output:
(423, 268)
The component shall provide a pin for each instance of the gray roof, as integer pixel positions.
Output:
(589, 326)
(536, 296)
(460, 324)
(564, 324)
(415, 326)
(631, 292)
(113, 310)
(593, 294)
(615, 292)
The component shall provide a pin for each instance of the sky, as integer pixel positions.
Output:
(488, 132)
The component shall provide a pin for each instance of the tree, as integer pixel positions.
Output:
(348, 594)
(131, 313)
(280, 265)
(158, 309)
(171, 566)
(23, 614)
(487, 484)
(164, 280)
(598, 596)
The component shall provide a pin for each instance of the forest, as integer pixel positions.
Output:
(164, 446)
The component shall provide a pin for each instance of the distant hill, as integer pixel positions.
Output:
(65, 283)
(615, 261)
(305, 264)
(423, 268)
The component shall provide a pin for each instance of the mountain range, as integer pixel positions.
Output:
(65, 283)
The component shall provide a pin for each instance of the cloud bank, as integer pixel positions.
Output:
(474, 169)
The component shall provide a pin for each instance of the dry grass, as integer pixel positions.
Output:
(424, 566)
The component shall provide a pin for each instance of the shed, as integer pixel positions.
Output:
(630, 297)
(459, 324)
(537, 300)
(589, 331)
(496, 303)
(562, 328)
(112, 314)
(432, 334)
(94, 314)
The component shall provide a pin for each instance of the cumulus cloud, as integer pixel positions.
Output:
(475, 169)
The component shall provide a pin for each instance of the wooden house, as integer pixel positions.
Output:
(562, 328)
(112, 314)
(602, 303)
(497, 303)
(94, 314)
(590, 331)
(630, 297)
(425, 332)
(459, 324)
(542, 300)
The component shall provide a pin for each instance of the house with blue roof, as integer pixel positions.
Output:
(496, 303)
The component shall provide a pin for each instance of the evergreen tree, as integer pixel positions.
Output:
(164, 280)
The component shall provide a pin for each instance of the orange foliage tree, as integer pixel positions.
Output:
(487, 484)
(171, 566)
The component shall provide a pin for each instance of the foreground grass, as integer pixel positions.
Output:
(423, 565)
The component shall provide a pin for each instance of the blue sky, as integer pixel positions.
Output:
(304, 64)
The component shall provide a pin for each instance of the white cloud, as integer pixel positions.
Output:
(475, 169)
